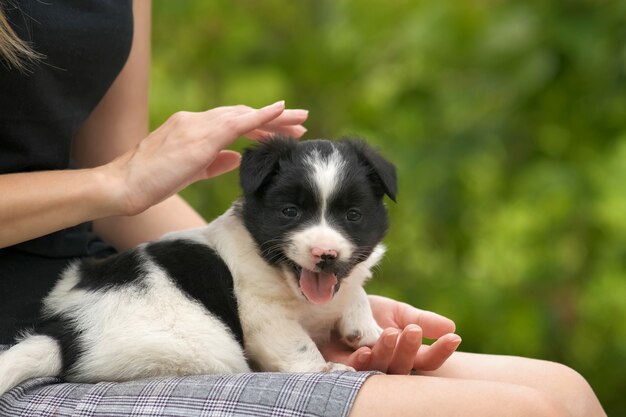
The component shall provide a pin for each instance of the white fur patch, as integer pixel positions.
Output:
(143, 330)
(325, 174)
(33, 356)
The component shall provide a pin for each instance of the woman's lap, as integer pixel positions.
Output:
(312, 394)
(285, 394)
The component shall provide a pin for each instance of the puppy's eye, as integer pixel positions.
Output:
(291, 212)
(353, 215)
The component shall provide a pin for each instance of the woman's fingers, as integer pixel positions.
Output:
(258, 134)
(250, 120)
(290, 131)
(395, 352)
(224, 162)
(432, 357)
(258, 124)
(433, 324)
(382, 351)
(403, 359)
(391, 313)
(360, 359)
(222, 125)
(288, 118)
(289, 123)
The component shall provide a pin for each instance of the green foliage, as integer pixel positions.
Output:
(506, 120)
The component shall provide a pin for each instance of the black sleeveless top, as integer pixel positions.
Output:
(85, 43)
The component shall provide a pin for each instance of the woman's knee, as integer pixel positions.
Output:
(573, 390)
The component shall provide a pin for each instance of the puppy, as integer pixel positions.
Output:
(255, 289)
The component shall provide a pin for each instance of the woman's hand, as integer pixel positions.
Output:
(399, 350)
(189, 147)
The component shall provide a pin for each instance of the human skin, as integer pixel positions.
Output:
(127, 186)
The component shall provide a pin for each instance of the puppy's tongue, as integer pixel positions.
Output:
(318, 287)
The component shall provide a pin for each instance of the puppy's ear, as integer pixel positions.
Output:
(382, 172)
(260, 163)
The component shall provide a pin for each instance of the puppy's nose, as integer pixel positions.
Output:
(324, 254)
(324, 258)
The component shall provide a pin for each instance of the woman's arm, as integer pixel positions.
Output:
(188, 147)
(38, 203)
(115, 126)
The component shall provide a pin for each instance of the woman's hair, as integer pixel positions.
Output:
(14, 52)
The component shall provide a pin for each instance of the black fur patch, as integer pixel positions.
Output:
(200, 272)
(66, 336)
(120, 269)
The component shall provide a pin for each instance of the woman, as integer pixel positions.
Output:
(79, 100)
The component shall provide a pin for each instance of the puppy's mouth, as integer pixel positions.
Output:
(319, 287)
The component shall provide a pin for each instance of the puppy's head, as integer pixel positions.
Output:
(315, 208)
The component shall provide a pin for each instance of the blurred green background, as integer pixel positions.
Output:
(507, 123)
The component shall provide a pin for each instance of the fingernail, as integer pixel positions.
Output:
(390, 339)
(280, 103)
(454, 344)
(413, 336)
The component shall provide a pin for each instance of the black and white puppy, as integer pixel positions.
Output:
(256, 288)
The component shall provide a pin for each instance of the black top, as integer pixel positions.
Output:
(85, 43)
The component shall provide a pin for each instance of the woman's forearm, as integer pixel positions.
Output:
(37, 203)
(125, 232)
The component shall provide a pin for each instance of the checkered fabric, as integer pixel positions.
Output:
(250, 394)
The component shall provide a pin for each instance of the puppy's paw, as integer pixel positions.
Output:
(337, 367)
(363, 336)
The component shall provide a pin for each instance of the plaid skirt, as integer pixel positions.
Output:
(249, 394)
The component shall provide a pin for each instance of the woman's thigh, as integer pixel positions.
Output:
(399, 396)
(556, 380)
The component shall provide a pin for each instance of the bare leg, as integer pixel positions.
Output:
(564, 384)
(398, 396)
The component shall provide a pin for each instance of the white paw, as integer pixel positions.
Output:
(336, 367)
(363, 336)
